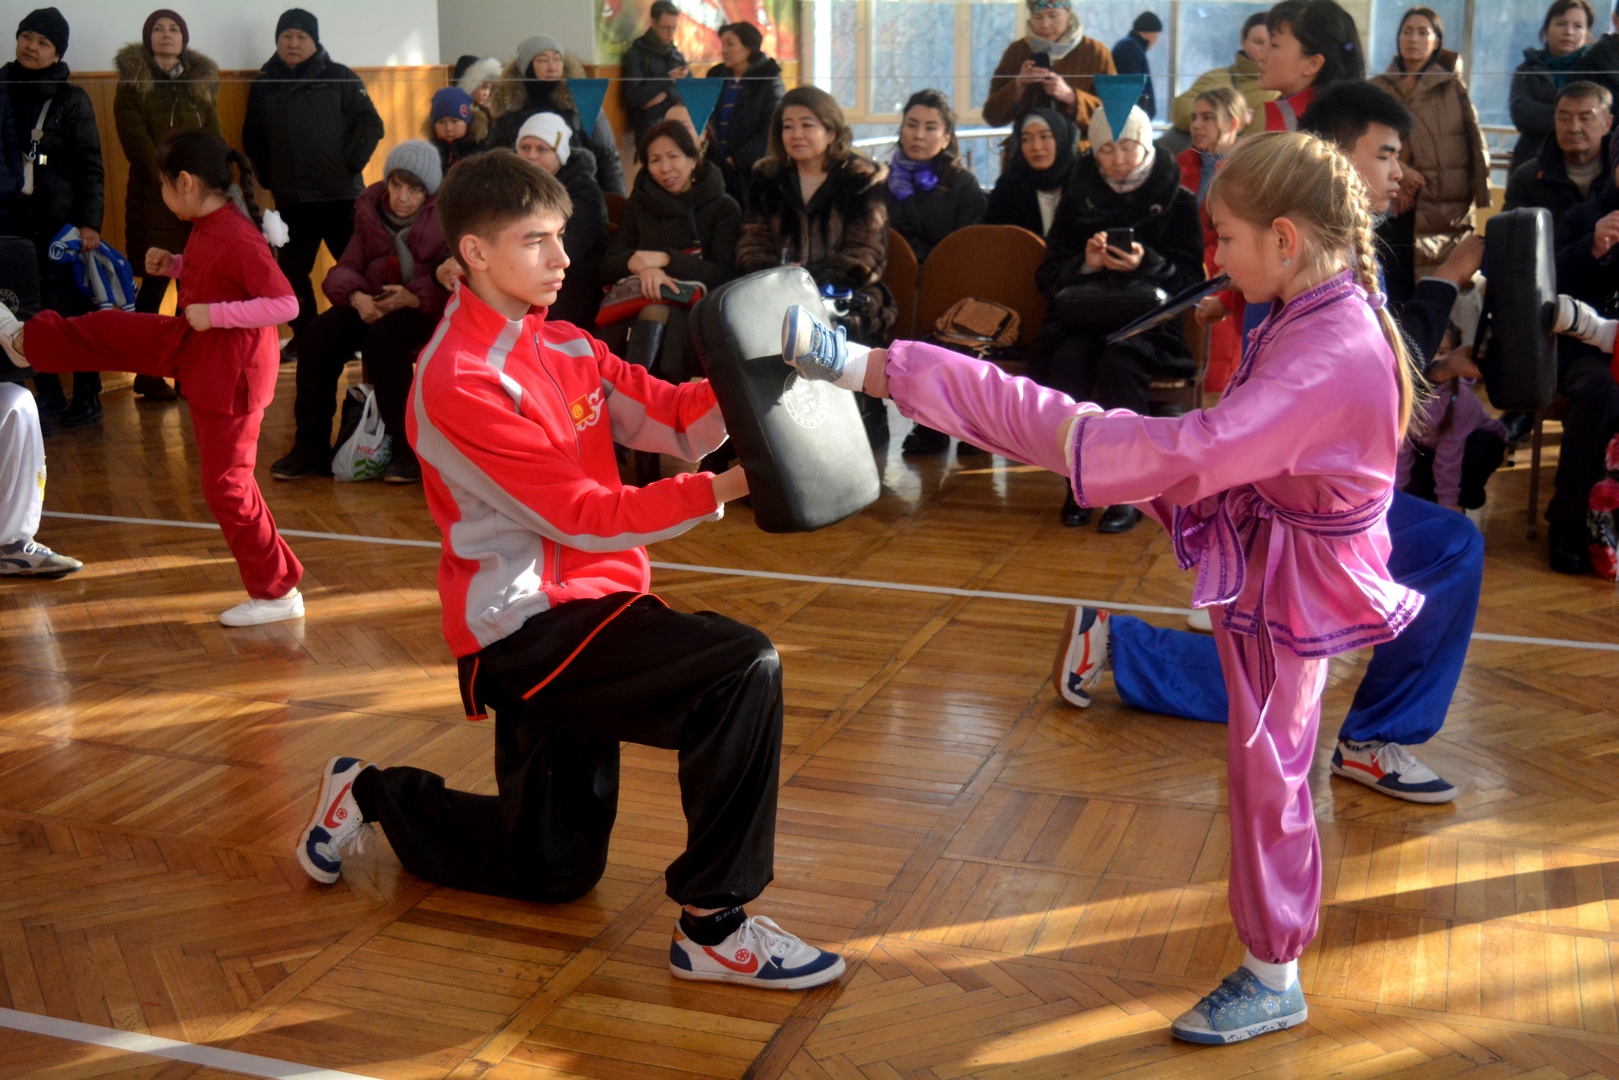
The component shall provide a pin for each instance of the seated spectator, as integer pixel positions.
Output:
(930, 192)
(536, 82)
(650, 66)
(454, 126)
(1565, 34)
(543, 140)
(1587, 270)
(1242, 75)
(815, 203)
(739, 130)
(1063, 82)
(1219, 117)
(1312, 44)
(386, 302)
(1130, 57)
(1120, 183)
(680, 225)
(1573, 164)
(1042, 151)
(477, 77)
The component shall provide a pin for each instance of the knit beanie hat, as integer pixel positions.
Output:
(532, 47)
(418, 158)
(49, 24)
(298, 19)
(165, 13)
(1136, 126)
(452, 102)
(550, 129)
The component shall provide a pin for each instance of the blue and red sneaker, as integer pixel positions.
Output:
(336, 823)
(757, 953)
(1390, 768)
(1082, 655)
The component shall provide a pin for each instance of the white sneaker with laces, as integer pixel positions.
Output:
(336, 824)
(757, 953)
(252, 612)
(29, 558)
(1081, 655)
(1390, 768)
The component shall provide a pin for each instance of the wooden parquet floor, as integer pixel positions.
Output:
(1023, 890)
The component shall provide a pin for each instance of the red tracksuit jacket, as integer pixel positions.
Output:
(514, 423)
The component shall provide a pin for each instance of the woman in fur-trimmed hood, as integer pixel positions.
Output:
(537, 81)
(163, 89)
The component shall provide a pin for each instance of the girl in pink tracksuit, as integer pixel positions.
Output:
(1276, 496)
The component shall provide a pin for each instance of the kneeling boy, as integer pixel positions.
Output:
(544, 581)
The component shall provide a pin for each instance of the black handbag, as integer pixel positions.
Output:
(1106, 302)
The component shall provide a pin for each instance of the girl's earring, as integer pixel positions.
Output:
(1287, 262)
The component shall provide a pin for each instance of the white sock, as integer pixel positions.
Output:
(1278, 977)
(854, 369)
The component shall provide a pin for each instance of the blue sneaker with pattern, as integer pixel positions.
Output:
(818, 351)
(1240, 1008)
(336, 825)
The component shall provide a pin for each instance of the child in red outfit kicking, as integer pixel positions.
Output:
(224, 351)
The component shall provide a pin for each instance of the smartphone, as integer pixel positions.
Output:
(1042, 59)
(1122, 239)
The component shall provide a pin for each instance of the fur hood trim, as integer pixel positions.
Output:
(136, 67)
(511, 91)
(486, 70)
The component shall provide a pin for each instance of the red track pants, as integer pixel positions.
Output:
(227, 444)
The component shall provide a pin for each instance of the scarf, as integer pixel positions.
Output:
(1211, 162)
(1062, 46)
(1138, 175)
(651, 41)
(1562, 67)
(907, 177)
(399, 229)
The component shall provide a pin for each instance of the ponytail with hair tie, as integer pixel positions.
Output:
(207, 157)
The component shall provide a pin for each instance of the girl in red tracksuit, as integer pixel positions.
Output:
(224, 350)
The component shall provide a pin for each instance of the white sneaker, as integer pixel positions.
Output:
(252, 612)
(1201, 621)
(336, 824)
(757, 953)
(1081, 655)
(1390, 768)
(11, 336)
(28, 558)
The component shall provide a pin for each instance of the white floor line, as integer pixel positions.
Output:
(135, 1043)
(813, 579)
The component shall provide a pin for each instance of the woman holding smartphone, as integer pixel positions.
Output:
(1049, 68)
(1124, 218)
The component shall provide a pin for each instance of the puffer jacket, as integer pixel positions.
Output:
(371, 259)
(1446, 146)
(1241, 75)
(516, 98)
(310, 130)
(697, 230)
(841, 237)
(148, 107)
(69, 178)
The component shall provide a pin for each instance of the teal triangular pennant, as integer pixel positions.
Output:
(588, 95)
(700, 96)
(1119, 94)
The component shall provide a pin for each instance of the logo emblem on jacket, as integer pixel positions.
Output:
(585, 411)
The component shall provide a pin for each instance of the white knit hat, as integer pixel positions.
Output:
(1136, 126)
(550, 129)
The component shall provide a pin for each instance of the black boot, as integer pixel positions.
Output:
(641, 347)
(1568, 547)
(1073, 514)
(84, 410)
(153, 388)
(925, 440)
(1118, 519)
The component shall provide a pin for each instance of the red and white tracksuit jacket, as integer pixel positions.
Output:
(514, 423)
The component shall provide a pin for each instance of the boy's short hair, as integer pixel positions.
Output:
(485, 193)
(1342, 113)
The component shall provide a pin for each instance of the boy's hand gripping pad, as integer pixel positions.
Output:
(802, 444)
(1519, 360)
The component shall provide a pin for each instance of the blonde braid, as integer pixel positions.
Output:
(1412, 382)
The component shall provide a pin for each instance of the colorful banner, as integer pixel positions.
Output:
(619, 22)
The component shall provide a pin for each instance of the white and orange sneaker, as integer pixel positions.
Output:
(757, 953)
(336, 823)
(1081, 655)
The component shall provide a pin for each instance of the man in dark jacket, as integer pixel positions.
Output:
(1573, 165)
(739, 130)
(651, 65)
(1130, 57)
(309, 132)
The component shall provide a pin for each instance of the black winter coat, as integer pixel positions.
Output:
(69, 179)
(148, 107)
(927, 217)
(1578, 274)
(581, 295)
(705, 218)
(10, 163)
(747, 134)
(310, 130)
(1163, 214)
(646, 75)
(1544, 182)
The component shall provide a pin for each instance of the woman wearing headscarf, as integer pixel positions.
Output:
(536, 82)
(164, 86)
(1022, 83)
(1042, 152)
(739, 129)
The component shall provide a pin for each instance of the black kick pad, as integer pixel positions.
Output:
(801, 443)
(1519, 359)
(19, 291)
